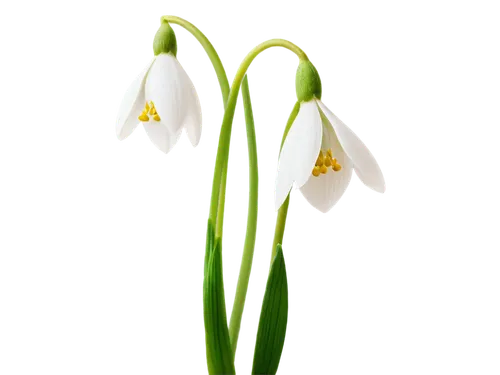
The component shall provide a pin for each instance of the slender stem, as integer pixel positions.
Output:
(219, 182)
(222, 76)
(220, 177)
(222, 197)
(221, 214)
(246, 260)
(224, 86)
(220, 71)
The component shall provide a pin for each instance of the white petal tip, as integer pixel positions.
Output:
(378, 188)
(195, 144)
(120, 137)
(379, 183)
(275, 203)
(166, 152)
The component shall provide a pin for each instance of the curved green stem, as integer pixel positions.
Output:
(222, 77)
(218, 185)
(219, 182)
(220, 71)
(221, 211)
(219, 190)
(220, 178)
(248, 250)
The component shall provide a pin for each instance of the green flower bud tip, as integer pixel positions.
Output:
(165, 41)
(307, 82)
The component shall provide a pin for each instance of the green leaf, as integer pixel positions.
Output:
(273, 319)
(220, 359)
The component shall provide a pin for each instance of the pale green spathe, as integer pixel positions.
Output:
(307, 82)
(165, 41)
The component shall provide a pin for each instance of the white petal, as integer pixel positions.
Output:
(192, 120)
(300, 151)
(324, 191)
(131, 106)
(283, 184)
(365, 165)
(304, 140)
(160, 135)
(164, 89)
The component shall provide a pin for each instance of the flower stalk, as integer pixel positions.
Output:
(220, 172)
(248, 249)
(218, 185)
(220, 178)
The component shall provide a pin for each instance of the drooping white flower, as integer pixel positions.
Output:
(319, 154)
(162, 98)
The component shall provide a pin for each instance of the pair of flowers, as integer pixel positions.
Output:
(318, 155)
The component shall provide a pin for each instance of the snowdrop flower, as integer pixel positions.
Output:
(320, 151)
(162, 98)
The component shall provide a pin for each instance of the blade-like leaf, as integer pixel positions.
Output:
(273, 319)
(220, 359)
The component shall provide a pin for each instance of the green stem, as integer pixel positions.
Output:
(220, 178)
(219, 185)
(220, 71)
(248, 250)
(221, 211)
(222, 77)
(220, 172)
(221, 214)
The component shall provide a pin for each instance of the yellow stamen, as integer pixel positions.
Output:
(324, 162)
(147, 107)
(143, 117)
(152, 111)
(320, 160)
(156, 117)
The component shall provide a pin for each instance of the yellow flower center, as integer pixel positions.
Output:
(324, 162)
(149, 110)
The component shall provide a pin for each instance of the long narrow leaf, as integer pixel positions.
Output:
(273, 319)
(220, 359)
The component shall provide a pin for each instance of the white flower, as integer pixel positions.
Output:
(319, 154)
(164, 99)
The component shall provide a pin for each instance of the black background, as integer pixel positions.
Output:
(353, 296)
